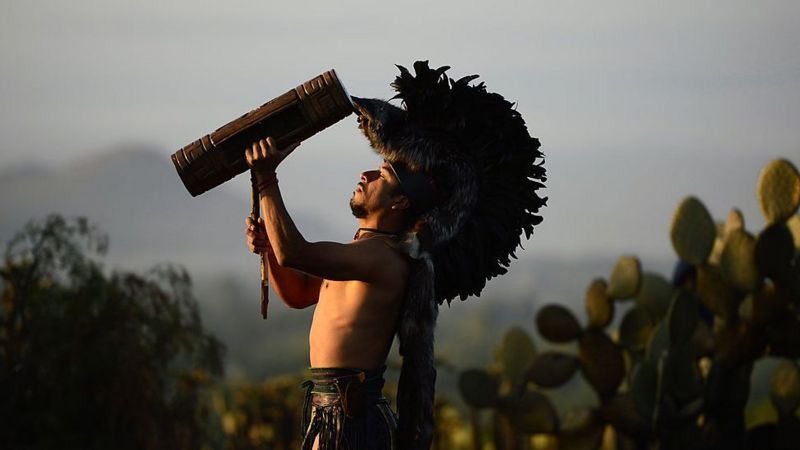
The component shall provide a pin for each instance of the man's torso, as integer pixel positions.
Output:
(354, 321)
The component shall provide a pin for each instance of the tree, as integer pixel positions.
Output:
(90, 360)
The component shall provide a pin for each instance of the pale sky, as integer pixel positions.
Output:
(604, 85)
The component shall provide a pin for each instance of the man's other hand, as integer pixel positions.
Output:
(256, 236)
(264, 156)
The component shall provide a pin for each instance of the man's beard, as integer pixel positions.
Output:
(359, 211)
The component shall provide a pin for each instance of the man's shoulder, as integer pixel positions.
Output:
(393, 259)
(387, 245)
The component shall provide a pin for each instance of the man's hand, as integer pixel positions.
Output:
(264, 156)
(256, 236)
(297, 289)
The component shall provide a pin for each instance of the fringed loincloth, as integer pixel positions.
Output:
(346, 410)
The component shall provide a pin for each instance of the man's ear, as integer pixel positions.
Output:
(401, 203)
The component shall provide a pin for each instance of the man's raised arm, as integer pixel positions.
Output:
(361, 260)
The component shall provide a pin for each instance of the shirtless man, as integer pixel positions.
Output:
(358, 289)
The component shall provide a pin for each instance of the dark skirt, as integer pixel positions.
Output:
(346, 410)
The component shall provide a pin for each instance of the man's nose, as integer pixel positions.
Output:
(369, 175)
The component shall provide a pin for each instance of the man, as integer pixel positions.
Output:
(456, 192)
(358, 289)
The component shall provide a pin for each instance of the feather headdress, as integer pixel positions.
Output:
(486, 165)
(487, 170)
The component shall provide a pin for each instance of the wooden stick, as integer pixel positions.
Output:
(255, 214)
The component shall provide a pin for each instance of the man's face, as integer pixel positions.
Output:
(375, 191)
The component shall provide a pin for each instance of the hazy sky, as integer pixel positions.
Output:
(635, 83)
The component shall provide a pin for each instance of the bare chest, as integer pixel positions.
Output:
(355, 301)
(345, 295)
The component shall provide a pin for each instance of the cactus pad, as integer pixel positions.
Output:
(738, 263)
(620, 411)
(658, 343)
(557, 324)
(581, 430)
(746, 307)
(602, 363)
(654, 295)
(784, 389)
(517, 353)
(702, 343)
(626, 278)
(552, 369)
(635, 329)
(774, 251)
(478, 388)
(735, 221)
(531, 413)
(599, 306)
(778, 190)
(692, 231)
(719, 244)
(784, 337)
(716, 294)
(644, 387)
(682, 318)
(768, 304)
(794, 226)
(682, 375)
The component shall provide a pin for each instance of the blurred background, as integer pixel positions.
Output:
(637, 105)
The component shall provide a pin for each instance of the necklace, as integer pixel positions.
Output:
(368, 232)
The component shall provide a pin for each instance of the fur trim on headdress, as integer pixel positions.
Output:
(415, 388)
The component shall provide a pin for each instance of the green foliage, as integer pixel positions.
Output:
(264, 415)
(677, 372)
(89, 360)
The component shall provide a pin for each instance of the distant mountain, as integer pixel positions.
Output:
(135, 194)
(13, 174)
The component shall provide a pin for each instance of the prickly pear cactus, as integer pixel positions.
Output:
(676, 374)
